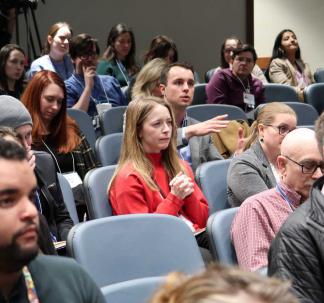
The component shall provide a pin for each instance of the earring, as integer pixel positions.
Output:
(261, 140)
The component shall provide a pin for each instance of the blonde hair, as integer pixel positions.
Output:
(132, 150)
(148, 78)
(266, 115)
(219, 284)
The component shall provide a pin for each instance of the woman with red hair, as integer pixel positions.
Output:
(55, 132)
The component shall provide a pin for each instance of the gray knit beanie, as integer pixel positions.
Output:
(13, 113)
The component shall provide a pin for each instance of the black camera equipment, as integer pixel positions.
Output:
(27, 8)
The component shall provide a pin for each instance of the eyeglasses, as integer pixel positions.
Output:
(243, 59)
(88, 55)
(282, 129)
(310, 167)
(228, 50)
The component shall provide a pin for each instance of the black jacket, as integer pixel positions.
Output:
(297, 253)
(54, 209)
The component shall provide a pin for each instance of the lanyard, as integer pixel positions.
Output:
(101, 85)
(122, 70)
(58, 166)
(31, 290)
(284, 196)
(247, 90)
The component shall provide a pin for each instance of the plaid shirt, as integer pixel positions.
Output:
(84, 157)
(257, 222)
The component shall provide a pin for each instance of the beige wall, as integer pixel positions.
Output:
(305, 18)
(197, 27)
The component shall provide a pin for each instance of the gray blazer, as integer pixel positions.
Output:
(249, 174)
(202, 148)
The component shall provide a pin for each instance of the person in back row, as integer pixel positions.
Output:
(12, 70)
(286, 65)
(226, 53)
(255, 170)
(260, 217)
(150, 177)
(236, 86)
(26, 276)
(56, 56)
(85, 89)
(118, 59)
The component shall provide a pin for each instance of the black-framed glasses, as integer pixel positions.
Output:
(282, 129)
(308, 167)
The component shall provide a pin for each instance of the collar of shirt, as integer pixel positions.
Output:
(292, 196)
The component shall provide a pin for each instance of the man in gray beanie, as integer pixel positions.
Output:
(49, 199)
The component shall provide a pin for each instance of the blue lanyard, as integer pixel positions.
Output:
(284, 196)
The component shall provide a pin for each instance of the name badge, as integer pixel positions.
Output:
(249, 100)
(103, 107)
(73, 178)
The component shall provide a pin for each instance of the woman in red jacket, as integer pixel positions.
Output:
(150, 177)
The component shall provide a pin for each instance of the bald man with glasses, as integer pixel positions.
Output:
(260, 217)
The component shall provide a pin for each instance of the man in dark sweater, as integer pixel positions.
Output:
(24, 276)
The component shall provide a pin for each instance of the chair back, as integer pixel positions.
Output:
(314, 95)
(211, 176)
(112, 120)
(319, 75)
(306, 113)
(135, 291)
(205, 112)
(279, 92)
(68, 198)
(199, 96)
(95, 184)
(209, 74)
(126, 247)
(219, 232)
(108, 148)
(84, 122)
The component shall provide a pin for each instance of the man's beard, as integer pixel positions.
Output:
(13, 257)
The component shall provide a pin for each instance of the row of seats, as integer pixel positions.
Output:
(107, 147)
(313, 94)
(211, 177)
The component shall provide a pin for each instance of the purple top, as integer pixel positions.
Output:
(226, 88)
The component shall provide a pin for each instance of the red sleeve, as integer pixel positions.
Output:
(130, 195)
(196, 206)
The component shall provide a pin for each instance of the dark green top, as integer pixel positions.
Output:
(111, 68)
(57, 280)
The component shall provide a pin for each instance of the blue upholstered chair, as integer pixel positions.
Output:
(96, 183)
(218, 229)
(205, 112)
(108, 148)
(68, 198)
(127, 247)
(211, 176)
(112, 120)
(279, 92)
(84, 122)
(135, 291)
